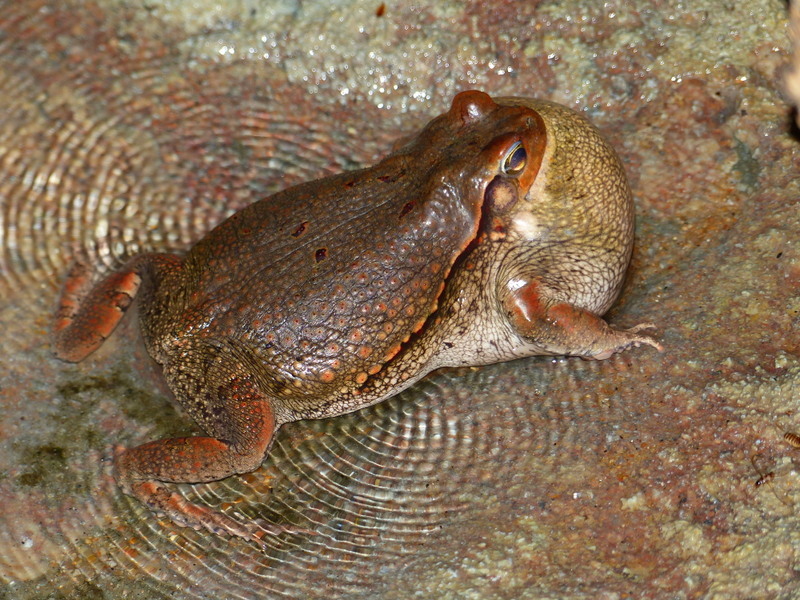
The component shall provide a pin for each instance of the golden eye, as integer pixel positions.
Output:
(515, 160)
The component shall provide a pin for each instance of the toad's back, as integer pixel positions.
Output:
(322, 294)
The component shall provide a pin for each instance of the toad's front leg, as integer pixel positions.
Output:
(560, 328)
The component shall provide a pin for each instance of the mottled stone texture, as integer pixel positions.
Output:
(126, 127)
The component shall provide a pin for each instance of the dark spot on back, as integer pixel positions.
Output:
(321, 254)
(300, 229)
(407, 208)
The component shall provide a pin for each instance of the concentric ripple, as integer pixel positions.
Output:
(139, 157)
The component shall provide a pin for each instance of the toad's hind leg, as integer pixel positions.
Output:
(87, 314)
(241, 424)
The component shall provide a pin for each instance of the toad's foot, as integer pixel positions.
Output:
(620, 340)
(561, 328)
(183, 513)
(166, 503)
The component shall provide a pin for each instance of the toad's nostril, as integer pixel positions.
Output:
(471, 106)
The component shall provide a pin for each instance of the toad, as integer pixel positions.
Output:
(502, 230)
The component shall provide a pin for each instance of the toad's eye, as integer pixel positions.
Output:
(515, 160)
